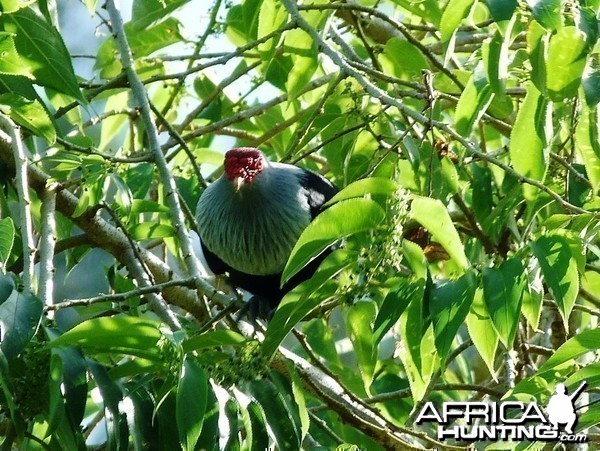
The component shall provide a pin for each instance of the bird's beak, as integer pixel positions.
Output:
(237, 183)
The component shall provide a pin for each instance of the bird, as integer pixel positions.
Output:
(251, 217)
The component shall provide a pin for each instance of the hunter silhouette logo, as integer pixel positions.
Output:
(508, 420)
(561, 407)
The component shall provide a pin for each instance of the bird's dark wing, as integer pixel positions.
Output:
(320, 190)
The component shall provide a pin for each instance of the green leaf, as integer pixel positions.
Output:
(11, 63)
(533, 297)
(112, 395)
(473, 102)
(454, 13)
(192, 392)
(586, 341)
(538, 39)
(112, 125)
(7, 286)
(129, 335)
(220, 337)
(300, 46)
(565, 63)
(590, 80)
(547, 12)
(393, 305)
(272, 16)
(150, 39)
(146, 12)
(587, 143)
(342, 219)
(10, 6)
(302, 299)
(370, 185)
(279, 418)
(358, 323)
(402, 59)
(449, 303)
(7, 238)
(253, 418)
(20, 317)
(29, 114)
(559, 269)
(482, 332)
(529, 139)
(148, 230)
(41, 46)
(503, 293)
(432, 215)
(501, 9)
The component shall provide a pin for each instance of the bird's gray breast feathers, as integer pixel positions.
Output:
(255, 229)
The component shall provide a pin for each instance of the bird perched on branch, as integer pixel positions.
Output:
(252, 216)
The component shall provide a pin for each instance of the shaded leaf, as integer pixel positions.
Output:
(587, 143)
(20, 317)
(191, 401)
(503, 293)
(559, 269)
(449, 303)
(547, 12)
(482, 332)
(7, 238)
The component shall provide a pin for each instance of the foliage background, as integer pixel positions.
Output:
(464, 134)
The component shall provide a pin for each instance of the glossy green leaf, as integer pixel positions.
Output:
(559, 270)
(590, 81)
(501, 9)
(29, 114)
(473, 102)
(219, 337)
(362, 187)
(7, 286)
(402, 59)
(449, 303)
(432, 215)
(547, 12)
(392, 307)
(340, 220)
(146, 12)
(42, 47)
(503, 293)
(117, 432)
(11, 63)
(192, 391)
(149, 40)
(482, 332)
(122, 334)
(586, 341)
(359, 323)
(7, 238)
(20, 317)
(253, 418)
(565, 63)
(454, 13)
(533, 297)
(538, 39)
(529, 139)
(302, 299)
(587, 143)
(148, 230)
(299, 45)
(272, 16)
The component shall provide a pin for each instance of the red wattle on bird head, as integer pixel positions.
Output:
(242, 165)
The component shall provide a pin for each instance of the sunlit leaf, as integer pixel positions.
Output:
(482, 332)
(340, 220)
(432, 215)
